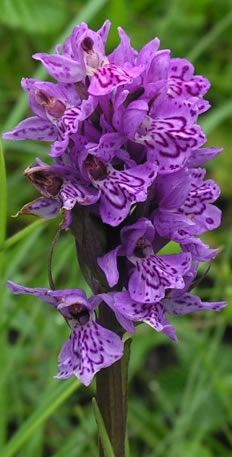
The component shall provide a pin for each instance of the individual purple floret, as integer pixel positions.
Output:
(149, 274)
(64, 187)
(126, 151)
(90, 346)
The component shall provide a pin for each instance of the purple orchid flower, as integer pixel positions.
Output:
(58, 109)
(185, 205)
(176, 302)
(63, 187)
(90, 346)
(84, 55)
(149, 275)
(126, 146)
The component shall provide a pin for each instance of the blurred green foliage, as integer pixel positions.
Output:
(179, 393)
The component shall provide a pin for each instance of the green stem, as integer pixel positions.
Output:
(112, 383)
(93, 240)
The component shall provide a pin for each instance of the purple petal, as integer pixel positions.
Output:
(72, 192)
(43, 207)
(199, 157)
(174, 226)
(89, 349)
(183, 83)
(115, 305)
(103, 32)
(189, 303)
(108, 146)
(198, 202)
(108, 264)
(152, 275)
(33, 128)
(130, 234)
(153, 315)
(124, 52)
(158, 68)
(59, 147)
(147, 53)
(121, 189)
(133, 117)
(42, 293)
(61, 68)
(169, 141)
(200, 251)
(110, 77)
(172, 193)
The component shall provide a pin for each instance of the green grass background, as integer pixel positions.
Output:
(180, 393)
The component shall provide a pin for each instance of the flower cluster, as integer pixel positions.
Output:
(126, 147)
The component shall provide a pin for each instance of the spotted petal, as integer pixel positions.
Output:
(200, 251)
(110, 77)
(153, 314)
(108, 146)
(174, 226)
(32, 128)
(62, 68)
(89, 349)
(43, 207)
(42, 293)
(169, 141)
(73, 191)
(198, 203)
(188, 303)
(121, 189)
(152, 275)
(183, 83)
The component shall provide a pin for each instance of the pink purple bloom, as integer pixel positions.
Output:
(90, 347)
(127, 150)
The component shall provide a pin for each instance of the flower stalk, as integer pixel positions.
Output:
(112, 395)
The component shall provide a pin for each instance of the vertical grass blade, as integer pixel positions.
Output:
(59, 396)
(210, 37)
(3, 219)
(105, 441)
(3, 202)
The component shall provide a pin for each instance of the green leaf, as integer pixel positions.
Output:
(105, 441)
(19, 236)
(59, 395)
(45, 16)
(3, 199)
(3, 221)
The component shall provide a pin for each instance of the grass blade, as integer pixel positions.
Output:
(3, 349)
(3, 199)
(216, 117)
(210, 37)
(58, 396)
(19, 236)
(105, 441)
